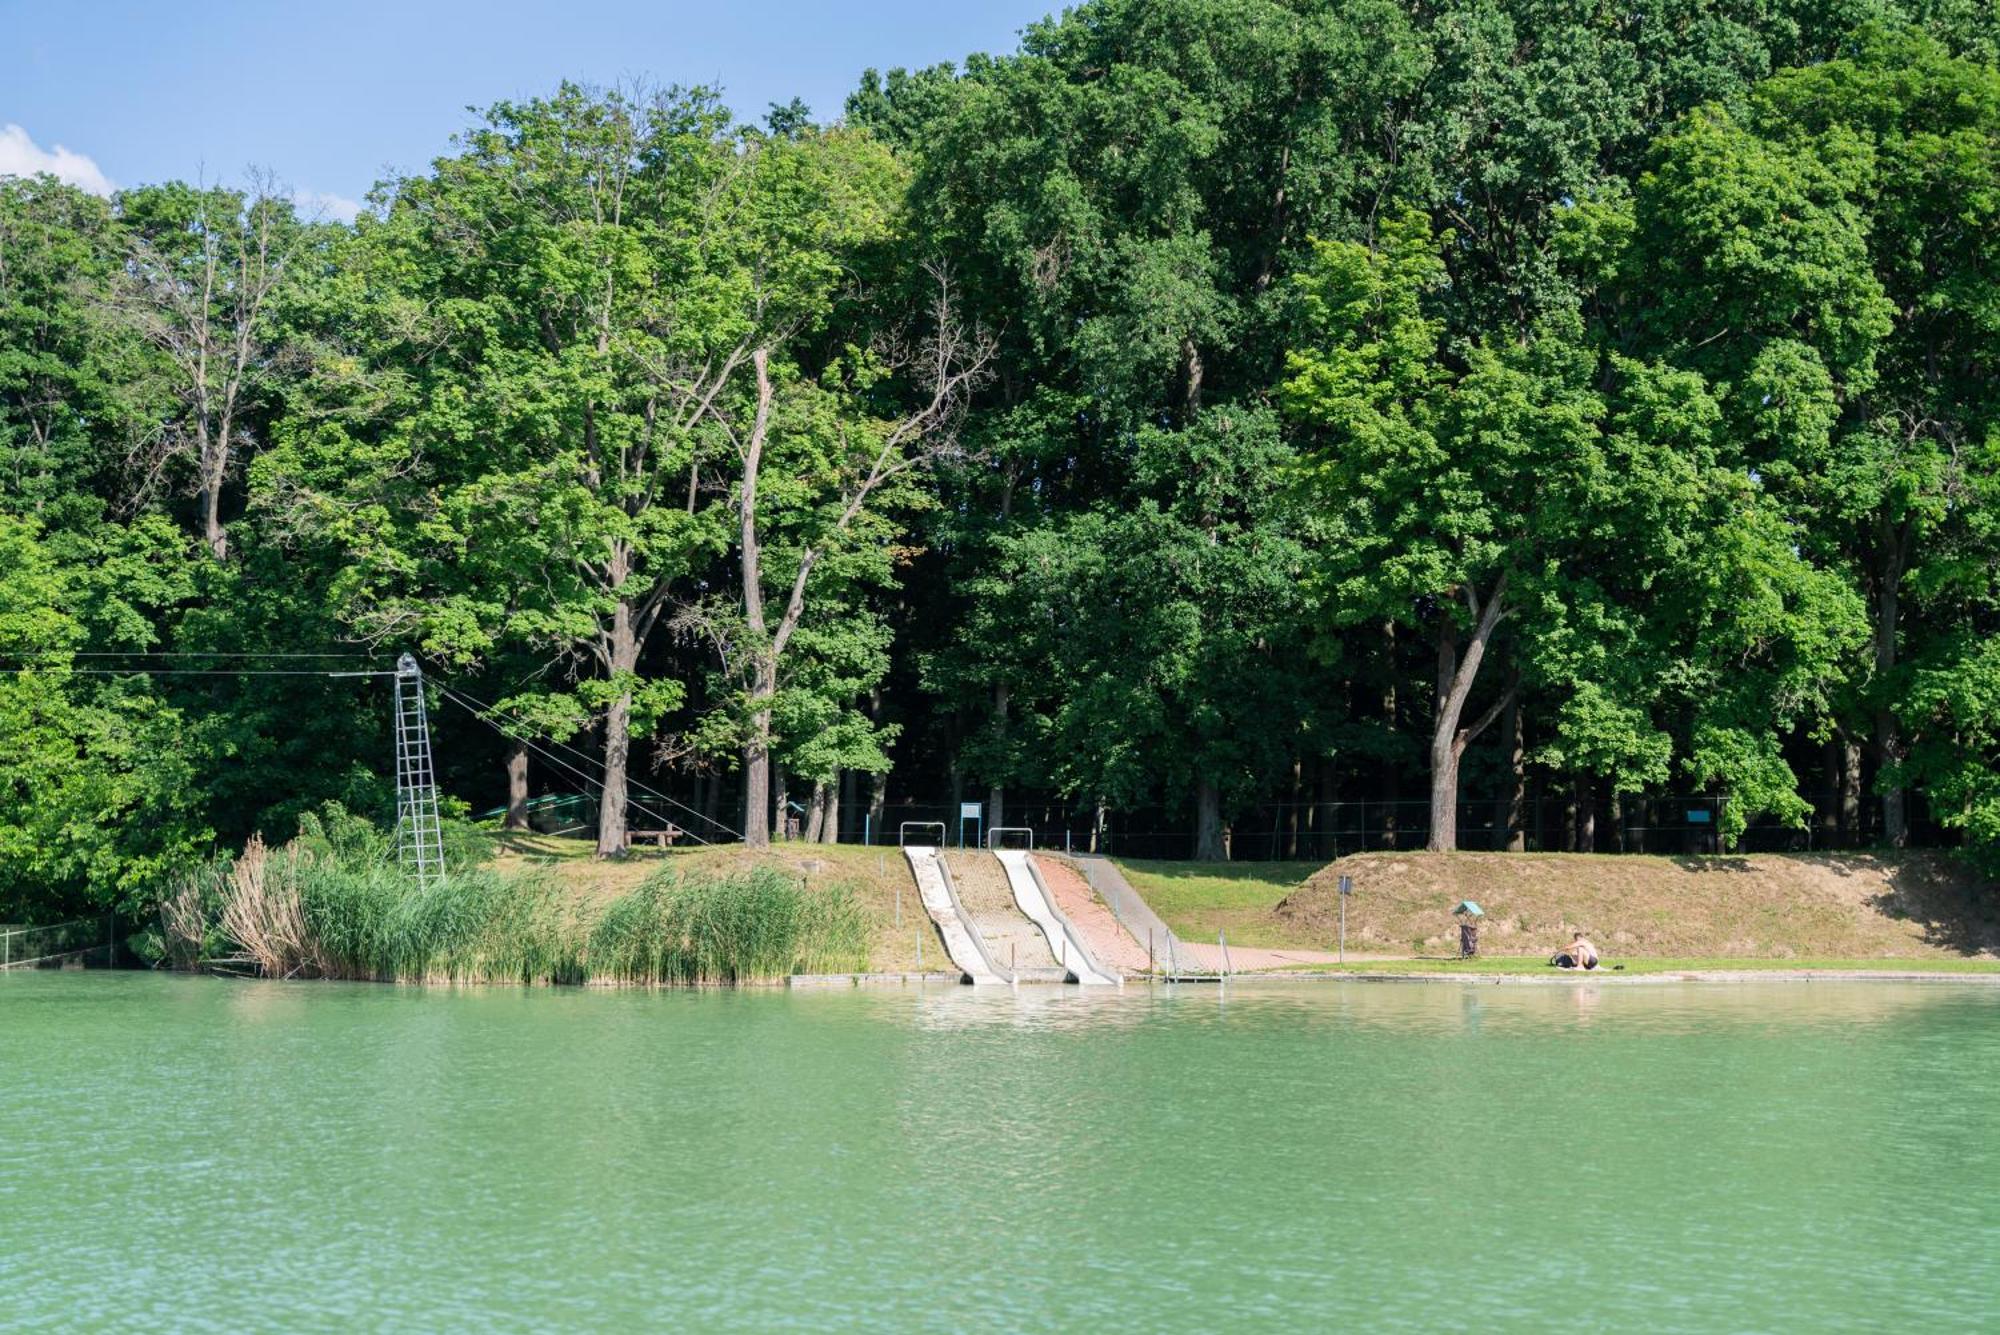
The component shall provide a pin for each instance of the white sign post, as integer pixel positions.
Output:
(971, 811)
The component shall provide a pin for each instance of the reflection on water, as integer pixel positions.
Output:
(196, 1151)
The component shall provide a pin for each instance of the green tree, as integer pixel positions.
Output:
(556, 311)
(97, 801)
(1825, 257)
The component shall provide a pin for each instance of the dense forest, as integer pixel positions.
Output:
(1477, 423)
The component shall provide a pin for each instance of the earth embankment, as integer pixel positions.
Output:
(1758, 906)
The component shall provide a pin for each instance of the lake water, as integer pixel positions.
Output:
(188, 1152)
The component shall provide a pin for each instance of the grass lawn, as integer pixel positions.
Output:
(1199, 899)
(1538, 964)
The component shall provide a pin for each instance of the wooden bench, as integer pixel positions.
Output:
(657, 838)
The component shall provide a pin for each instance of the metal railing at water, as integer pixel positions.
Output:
(23, 947)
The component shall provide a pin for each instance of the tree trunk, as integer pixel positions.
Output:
(211, 519)
(1327, 841)
(1889, 750)
(1208, 842)
(1392, 777)
(711, 807)
(764, 669)
(757, 758)
(829, 830)
(1456, 674)
(1851, 831)
(996, 796)
(624, 658)
(816, 813)
(1514, 802)
(1826, 811)
(878, 782)
(517, 787)
(1586, 815)
(1292, 810)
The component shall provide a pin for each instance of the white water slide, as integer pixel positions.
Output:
(1034, 899)
(961, 938)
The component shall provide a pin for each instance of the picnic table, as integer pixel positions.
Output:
(658, 838)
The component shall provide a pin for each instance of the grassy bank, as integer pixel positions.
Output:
(1200, 899)
(876, 878)
(1785, 909)
(305, 912)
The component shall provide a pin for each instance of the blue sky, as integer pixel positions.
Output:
(332, 96)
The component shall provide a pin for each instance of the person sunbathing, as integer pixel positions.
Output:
(1578, 954)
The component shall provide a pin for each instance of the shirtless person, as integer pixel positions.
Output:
(1578, 954)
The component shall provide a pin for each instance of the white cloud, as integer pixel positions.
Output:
(22, 156)
(319, 204)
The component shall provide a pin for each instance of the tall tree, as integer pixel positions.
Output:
(1825, 256)
(198, 283)
(557, 308)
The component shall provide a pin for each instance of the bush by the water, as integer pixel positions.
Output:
(318, 909)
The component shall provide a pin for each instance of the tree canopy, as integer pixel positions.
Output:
(1252, 425)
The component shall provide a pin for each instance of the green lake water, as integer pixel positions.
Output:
(1782, 1156)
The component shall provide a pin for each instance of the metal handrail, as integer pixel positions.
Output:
(902, 831)
(1011, 829)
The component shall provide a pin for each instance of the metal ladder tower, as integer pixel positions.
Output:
(419, 837)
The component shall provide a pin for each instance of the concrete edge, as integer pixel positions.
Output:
(1597, 977)
(836, 981)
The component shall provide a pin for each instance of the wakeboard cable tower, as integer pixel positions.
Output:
(419, 834)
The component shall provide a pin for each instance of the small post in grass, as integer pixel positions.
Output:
(1468, 915)
(1346, 889)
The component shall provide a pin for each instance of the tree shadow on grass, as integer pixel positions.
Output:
(1956, 910)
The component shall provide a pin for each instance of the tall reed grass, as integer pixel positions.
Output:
(755, 927)
(305, 910)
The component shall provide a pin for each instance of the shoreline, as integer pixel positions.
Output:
(825, 982)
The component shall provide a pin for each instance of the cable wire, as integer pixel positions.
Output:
(144, 671)
(482, 711)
